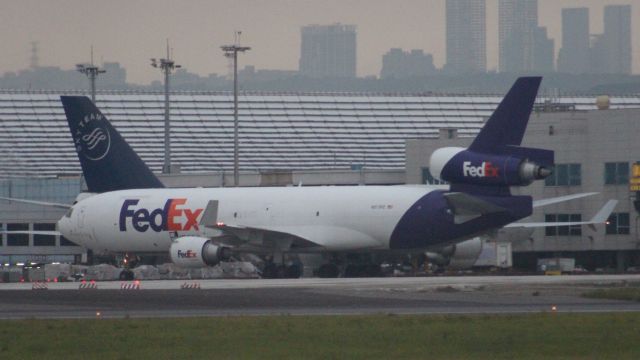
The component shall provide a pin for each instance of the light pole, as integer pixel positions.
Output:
(166, 66)
(91, 71)
(231, 51)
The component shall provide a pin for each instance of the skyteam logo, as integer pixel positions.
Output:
(485, 170)
(92, 138)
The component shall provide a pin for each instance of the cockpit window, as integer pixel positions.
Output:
(68, 214)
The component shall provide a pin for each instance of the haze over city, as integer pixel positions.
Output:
(132, 32)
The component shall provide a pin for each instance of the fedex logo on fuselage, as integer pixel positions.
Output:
(168, 218)
(486, 169)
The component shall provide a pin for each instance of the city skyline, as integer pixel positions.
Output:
(196, 29)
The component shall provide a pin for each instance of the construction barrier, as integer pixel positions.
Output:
(38, 285)
(88, 285)
(190, 286)
(130, 286)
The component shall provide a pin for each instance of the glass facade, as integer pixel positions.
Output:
(616, 173)
(618, 224)
(565, 175)
(17, 239)
(64, 190)
(44, 240)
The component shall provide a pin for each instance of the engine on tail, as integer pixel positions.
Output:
(459, 256)
(196, 252)
(516, 167)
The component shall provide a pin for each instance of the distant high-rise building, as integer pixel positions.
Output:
(617, 31)
(328, 51)
(466, 36)
(543, 51)
(573, 57)
(611, 50)
(400, 64)
(517, 27)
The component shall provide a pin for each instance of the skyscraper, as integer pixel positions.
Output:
(466, 36)
(524, 47)
(610, 51)
(328, 51)
(543, 51)
(573, 57)
(617, 34)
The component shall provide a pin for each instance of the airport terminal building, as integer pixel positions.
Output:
(322, 139)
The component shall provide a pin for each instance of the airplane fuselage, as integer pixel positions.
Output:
(333, 218)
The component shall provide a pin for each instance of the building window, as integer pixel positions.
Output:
(616, 173)
(569, 230)
(17, 239)
(66, 242)
(618, 224)
(565, 175)
(428, 179)
(44, 240)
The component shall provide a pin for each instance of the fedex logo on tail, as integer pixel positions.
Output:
(486, 169)
(172, 217)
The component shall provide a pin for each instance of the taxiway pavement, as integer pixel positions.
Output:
(415, 295)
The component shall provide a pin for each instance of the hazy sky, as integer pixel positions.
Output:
(132, 31)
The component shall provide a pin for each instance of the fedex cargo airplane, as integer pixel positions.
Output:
(133, 212)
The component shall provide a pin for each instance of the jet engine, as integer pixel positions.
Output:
(196, 252)
(459, 256)
(516, 166)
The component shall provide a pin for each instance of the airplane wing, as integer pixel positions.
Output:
(555, 200)
(308, 236)
(599, 218)
(35, 202)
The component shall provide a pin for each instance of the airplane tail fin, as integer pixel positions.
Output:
(108, 162)
(507, 124)
(495, 160)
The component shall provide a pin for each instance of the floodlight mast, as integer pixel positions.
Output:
(91, 71)
(166, 66)
(231, 51)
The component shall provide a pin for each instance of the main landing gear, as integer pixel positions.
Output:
(286, 270)
(273, 271)
(350, 266)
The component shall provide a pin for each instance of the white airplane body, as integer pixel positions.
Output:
(330, 218)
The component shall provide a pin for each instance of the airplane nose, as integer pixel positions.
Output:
(63, 227)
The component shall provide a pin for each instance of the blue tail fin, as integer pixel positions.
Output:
(495, 160)
(108, 162)
(508, 122)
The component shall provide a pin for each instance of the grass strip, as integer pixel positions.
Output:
(546, 335)
(624, 293)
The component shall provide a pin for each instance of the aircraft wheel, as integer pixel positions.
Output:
(328, 271)
(293, 271)
(126, 275)
(269, 271)
(281, 272)
(353, 271)
(373, 270)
